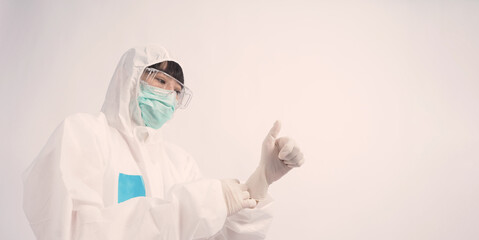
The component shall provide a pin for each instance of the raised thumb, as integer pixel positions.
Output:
(275, 129)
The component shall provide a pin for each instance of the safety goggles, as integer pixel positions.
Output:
(159, 79)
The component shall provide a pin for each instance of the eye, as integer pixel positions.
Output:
(160, 80)
(177, 92)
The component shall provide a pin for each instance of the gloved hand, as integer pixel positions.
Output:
(236, 196)
(278, 156)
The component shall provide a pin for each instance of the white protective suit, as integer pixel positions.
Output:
(71, 188)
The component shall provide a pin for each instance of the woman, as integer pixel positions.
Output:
(112, 176)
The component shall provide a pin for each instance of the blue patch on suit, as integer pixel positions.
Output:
(130, 186)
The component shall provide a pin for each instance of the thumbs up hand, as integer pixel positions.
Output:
(278, 156)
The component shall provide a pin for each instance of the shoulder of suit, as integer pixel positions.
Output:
(85, 123)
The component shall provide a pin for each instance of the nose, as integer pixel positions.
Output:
(169, 86)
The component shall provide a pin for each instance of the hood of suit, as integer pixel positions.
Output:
(121, 107)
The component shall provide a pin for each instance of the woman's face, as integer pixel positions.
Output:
(161, 80)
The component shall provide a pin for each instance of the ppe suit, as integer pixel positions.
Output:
(108, 176)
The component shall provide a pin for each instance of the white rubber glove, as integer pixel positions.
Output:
(278, 156)
(236, 196)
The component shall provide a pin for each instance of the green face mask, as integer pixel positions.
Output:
(157, 105)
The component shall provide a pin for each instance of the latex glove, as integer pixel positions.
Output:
(236, 196)
(278, 156)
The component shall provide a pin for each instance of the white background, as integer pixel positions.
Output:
(382, 97)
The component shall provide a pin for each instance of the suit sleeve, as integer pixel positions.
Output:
(247, 224)
(63, 196)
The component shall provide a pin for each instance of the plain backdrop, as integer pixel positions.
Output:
(382, 97)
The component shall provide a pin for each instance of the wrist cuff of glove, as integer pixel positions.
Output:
(257, 184)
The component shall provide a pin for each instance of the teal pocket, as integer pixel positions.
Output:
(130, 186)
